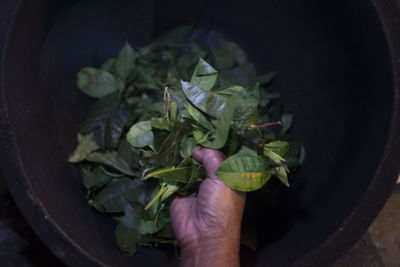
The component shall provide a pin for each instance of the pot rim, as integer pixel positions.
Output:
(328, 252)
(379, 190)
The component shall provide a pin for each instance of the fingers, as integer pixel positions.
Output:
(210, 158)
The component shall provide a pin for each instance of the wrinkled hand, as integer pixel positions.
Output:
(207, 227)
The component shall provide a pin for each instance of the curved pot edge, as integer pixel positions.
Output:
(388, 10)
(378, 190)
(10, 165)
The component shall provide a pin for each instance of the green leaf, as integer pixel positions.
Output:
(265, 97)
(278, 159)
(113, 160)
(106, 124)
(171, 174)
(109, 65)
(125, 61)
(228, 54)
(244, 172)
(245, 150)
(217, 137)
(95, 179)
(96, 83)
(282, 175)
(178, 95)
(159, 123)
(287, 120)
(120, 193)
(147, 227)
(233, 143)
(187, 147)
(146, 80)
(294, 155)
(207, 101)
(254, 92)
(128, 153)
(197, 173)
(140, 134)
(117, 124)
(145, 107)
(127, 232)
(204, 75)
(173, 111)
(172, 187)
(183, 64)
(199, 117)
(163, 218)
(278, 147)
(267, 77)
(212, 103)
(151, 212)
(169, 150)
(85, 146)
(111, 174)
(100, 110)
(247, 104)
(244, 74)
(155, 200)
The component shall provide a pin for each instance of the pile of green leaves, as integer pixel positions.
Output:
(154, 105)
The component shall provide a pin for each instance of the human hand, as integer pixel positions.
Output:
(207, 227)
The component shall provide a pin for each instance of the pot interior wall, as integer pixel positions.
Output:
(331, 55)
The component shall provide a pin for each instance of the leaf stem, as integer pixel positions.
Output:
(167, 98)
(145, 173)
(159, 194)
(157, 214)
(265, 125)
(172, 242)
(152, 148)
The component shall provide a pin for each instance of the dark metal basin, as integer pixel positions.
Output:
(340, 57)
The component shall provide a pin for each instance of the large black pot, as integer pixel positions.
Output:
(341, 57)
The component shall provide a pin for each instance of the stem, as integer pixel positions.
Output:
(159, 194)
(152, 148)
(145, 173)
(265, 125)
(173, 242)
(167, 98)
(158, 213)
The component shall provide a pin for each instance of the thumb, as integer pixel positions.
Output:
(210, 158)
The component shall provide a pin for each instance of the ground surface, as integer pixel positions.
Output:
(380, 246)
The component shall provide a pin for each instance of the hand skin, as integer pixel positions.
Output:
(207, 227)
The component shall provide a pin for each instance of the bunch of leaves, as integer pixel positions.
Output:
(154, 105)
